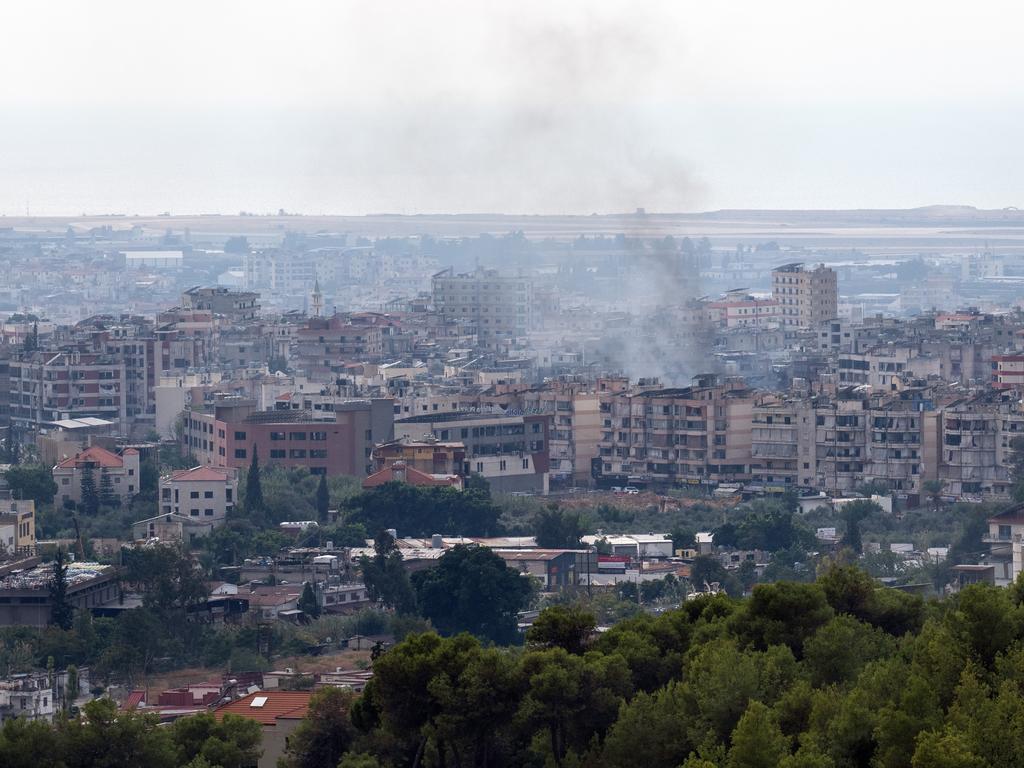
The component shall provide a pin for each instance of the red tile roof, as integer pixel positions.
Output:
(285, 705)
(413, 476)
(94, 455)
(201, 474)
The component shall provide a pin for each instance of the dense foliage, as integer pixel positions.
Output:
(836, 673)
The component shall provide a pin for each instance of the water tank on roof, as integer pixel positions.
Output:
(437, 541)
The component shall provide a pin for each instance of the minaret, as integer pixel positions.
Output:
(318, 299)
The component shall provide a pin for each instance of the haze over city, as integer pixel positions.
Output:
(576, 107)
(526, 385)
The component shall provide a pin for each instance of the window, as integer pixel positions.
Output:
(239, 453)
(479, 466)
(194, 495)
(526, 463)
(208, 512)
(239, 435)
(227, 493)
(131, 472)
(278, 435)
(318, 436)
(65, 481)
(278, 453)
(297, 436)
(297, 453)
(317, 453)
(194, 512)
(207, 494)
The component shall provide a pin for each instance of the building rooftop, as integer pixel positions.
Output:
(267, 707)
(94, 454)
(201, 475)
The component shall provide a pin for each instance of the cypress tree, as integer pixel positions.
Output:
(323, 499)
(61, 611)
(90, 497)
(253, 484)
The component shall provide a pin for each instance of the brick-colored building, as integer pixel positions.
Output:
(333, 442)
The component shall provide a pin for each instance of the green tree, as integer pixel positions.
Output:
(757, 742)
(647, 731)
(853, 514)
(571, 699)
(307, 602)
(359, 760)
(107, 497)
(113, 739)
(945, 750)
(71, 687)
(61, 612)
(325, 734)
(233, 742)
(253, 485)
(568, 627)
(472, 590)
(31, 481)
(839, 650)
(386, 579)
(558, 529)
(323, 499)
(783, 612)
(90, 496)
(168, 578)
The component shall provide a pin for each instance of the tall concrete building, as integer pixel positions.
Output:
(806, 298)
(499, 306)
(692, 435)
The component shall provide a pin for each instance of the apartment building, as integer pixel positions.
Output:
(575, 408)
(337, 439)
(510, 451)
(806, 297)
(235, 306)
(690, 435)
(782, 443)
(742, 310)
(51, 386)
(500, 307)
(840, 439)
(977, 451)
(327, 344)
(903, 445)
(1007, 371)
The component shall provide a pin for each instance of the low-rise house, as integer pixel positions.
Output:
(271, 602)
(555, 568)
(171, 527)
(17, 527)
(206, 493)
(121, 470)
(38, 695)
(278, 713)
(398, 472)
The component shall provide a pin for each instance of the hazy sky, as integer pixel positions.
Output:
(537, 107)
